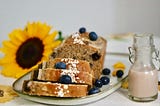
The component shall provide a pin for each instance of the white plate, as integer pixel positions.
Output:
(106, 90)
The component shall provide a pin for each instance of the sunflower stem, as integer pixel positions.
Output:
(60, 36)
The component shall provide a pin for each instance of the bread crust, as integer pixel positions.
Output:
(54, 89)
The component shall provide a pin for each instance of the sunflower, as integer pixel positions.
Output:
(27, 48)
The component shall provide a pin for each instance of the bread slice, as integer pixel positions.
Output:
(54, 89)
(79, 46)
(72, 64)
(78, 70)
(53, 75)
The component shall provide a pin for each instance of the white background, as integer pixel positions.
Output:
(102, 16)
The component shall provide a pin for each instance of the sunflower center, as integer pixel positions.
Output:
(30, 53)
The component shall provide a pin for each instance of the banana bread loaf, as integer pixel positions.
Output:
(79, 46)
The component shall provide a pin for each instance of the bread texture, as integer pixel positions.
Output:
(79, 46)
(54, 89)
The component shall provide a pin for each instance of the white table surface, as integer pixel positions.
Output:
(118, 98)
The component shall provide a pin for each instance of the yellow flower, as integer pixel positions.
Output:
(119, 65)
(27, 48)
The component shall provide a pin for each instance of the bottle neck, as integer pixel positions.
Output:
(143, 56)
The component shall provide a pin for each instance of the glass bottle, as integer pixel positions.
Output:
(143, 75)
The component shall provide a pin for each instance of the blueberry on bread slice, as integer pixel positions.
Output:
(65, 79)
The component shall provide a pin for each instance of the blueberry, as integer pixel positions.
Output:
(96, 56)
(93, 91)
(119, 73)
(98, 83)
(93, 36)
(106, 71)
(60, 65)
(82, 30)
(65, 79)
(105, 80)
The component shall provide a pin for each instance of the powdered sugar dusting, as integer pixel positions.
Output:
(77, 39)
(72, 70)
(62, 90)
(65, 86)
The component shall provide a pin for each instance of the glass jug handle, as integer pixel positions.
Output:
(156, 56)
(131, 54)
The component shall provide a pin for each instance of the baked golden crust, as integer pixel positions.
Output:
(54, 89)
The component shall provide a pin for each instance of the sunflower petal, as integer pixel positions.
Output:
(45, 58)
(37, 29)
(10, 70)
(19, 74)
(54, 34)
(30, 29)
(8, 48)
(50, 38)
(47, 52)
(5, 51)
(6, 60)
(17, 35)
(8, 44)
(43, 30)
(56, 43)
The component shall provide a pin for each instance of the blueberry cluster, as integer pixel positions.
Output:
(104, 80)
(64, 79)
(92, 35)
